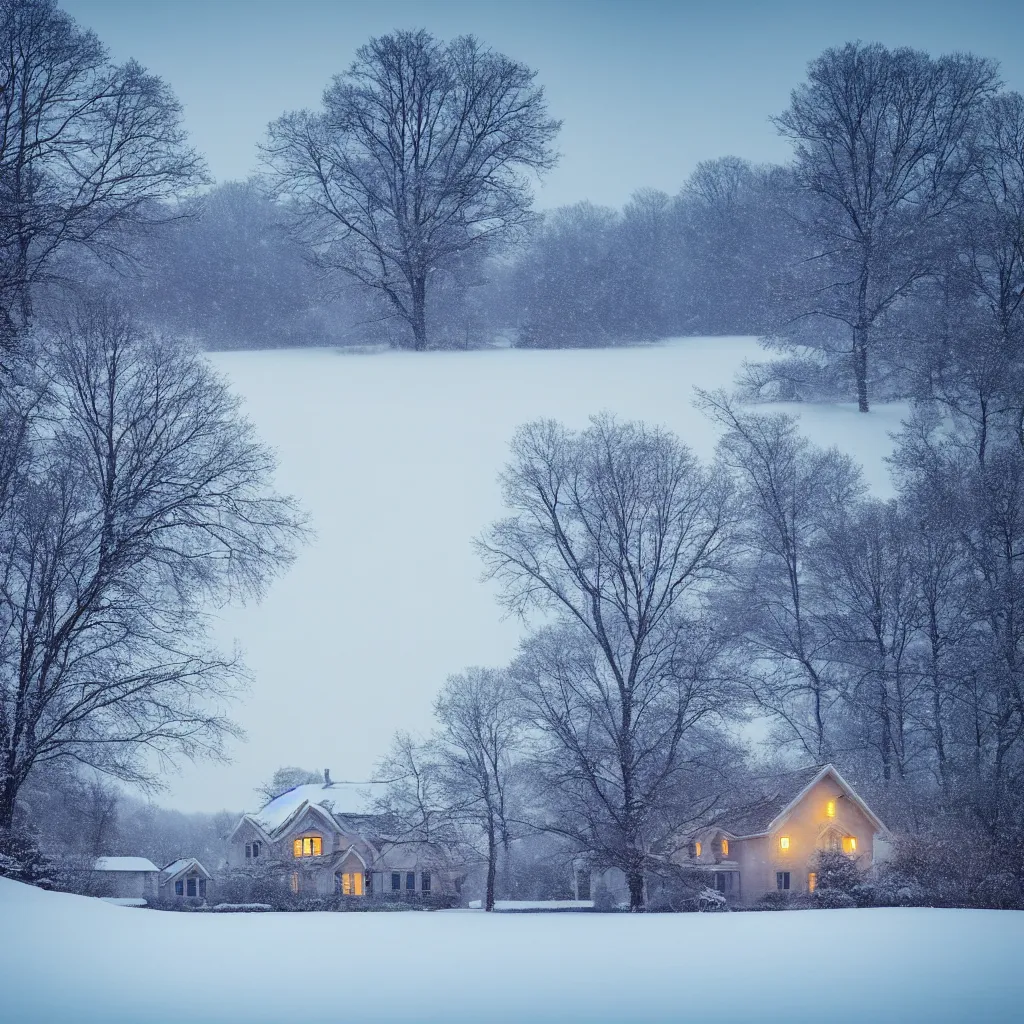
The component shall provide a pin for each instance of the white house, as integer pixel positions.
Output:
(323, 840)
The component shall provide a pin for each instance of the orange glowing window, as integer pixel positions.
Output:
(812, 881)
(830, 808)
(696, 849)
(308, 846)
(784, 842)
(725, 847)
(849, 844)
(352, 883)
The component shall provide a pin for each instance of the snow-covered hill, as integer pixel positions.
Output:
(71, 958)
(396, 455)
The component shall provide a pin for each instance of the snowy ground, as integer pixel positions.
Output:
(395, 455)
(68, 958)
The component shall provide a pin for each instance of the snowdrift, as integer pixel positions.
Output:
(71, 958)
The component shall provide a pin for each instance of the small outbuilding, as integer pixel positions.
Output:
(132, 878)
(185, 879)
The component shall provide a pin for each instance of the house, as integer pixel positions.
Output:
(185, 879)
(321, 840)
(772, 843)
(134, 878)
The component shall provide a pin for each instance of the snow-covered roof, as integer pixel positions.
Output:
(183, 864)
(124, 864)
(336, 798)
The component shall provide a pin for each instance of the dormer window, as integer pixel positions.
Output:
(308, 846)
(696, 849)
(725, 847)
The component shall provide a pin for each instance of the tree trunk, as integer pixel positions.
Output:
(635, 881)
(419, 313)
(860, 366)
(8, 799)
(492, 863)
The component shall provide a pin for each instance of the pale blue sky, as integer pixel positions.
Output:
(646, 88)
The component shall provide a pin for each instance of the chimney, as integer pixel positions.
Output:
(327, 776)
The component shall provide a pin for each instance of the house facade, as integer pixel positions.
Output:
(772, 844)
(185, 879)
(321, 841)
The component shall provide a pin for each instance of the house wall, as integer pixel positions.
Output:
(126, 884)
(806, 826)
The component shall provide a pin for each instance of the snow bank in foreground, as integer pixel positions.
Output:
(70, 958)
(396, 456)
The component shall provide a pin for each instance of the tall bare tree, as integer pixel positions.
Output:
(886, 143)
(140, 496)
(617, 532)
(88, 149)
(422, 151)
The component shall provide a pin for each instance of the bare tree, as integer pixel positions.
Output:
(140, 496)
(475, 744)
(790, 492)
(421, 151)
(87, 149)
(618, 532)
(885, 145)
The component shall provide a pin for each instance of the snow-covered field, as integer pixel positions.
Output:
(69, 958)
(395, 456)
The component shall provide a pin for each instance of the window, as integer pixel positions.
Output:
(255, 850)
(179, 888)
(190, 887)
(782, 880)
(308, 846)
(812, 881)
(830, 808)
(202, 888)
(396, 881)
(725, 847)
(410, 881)
(849, 844)
(248, 851)
(425, 881)
(696, 849)
(784, 845)
(295, 881)
(349, 883)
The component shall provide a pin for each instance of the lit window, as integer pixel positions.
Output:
(812, 881)
(308, 846)
(425, 881)
(396, 881)
(784, 843)
(782, 880)
(725, 847)
(830, 808)
(295, 881)
(849, 844)
(696, 849)
(350, 883)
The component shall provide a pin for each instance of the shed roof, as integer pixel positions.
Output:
(124, 864)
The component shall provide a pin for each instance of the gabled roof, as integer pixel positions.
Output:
(182, 866)
(124, 864)
(782, 794)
